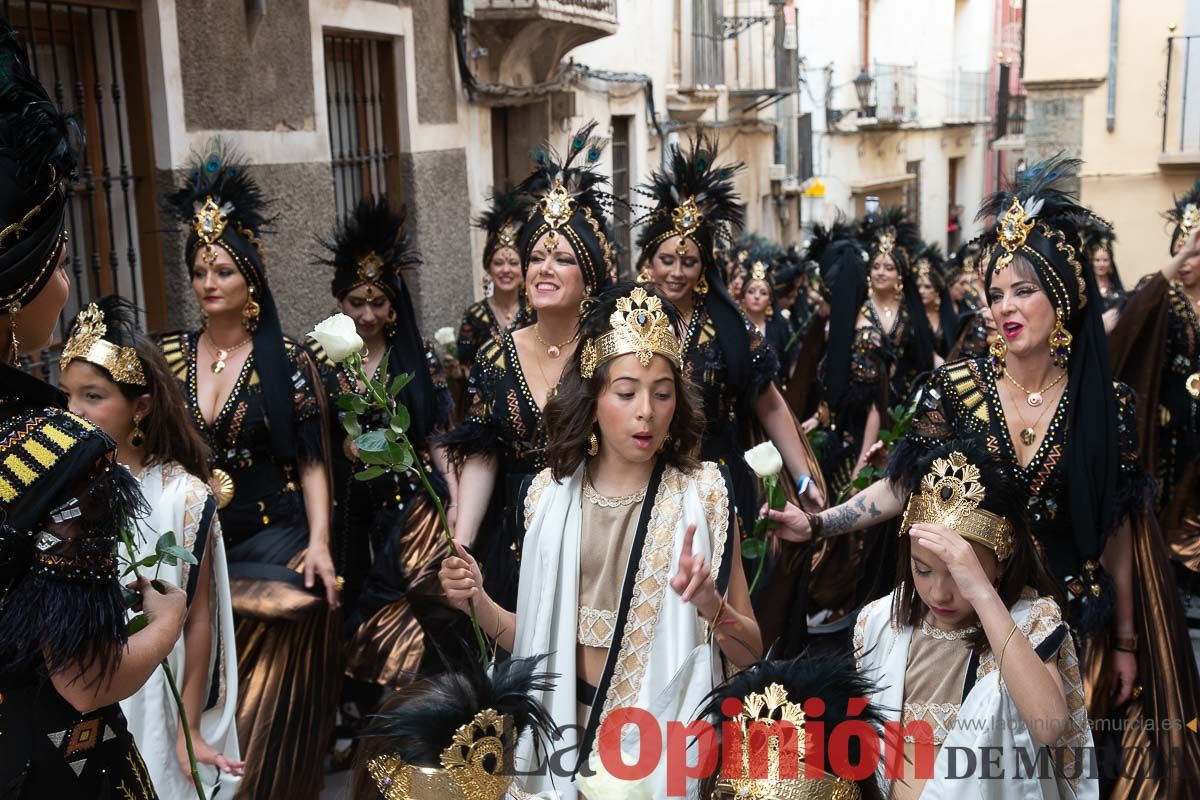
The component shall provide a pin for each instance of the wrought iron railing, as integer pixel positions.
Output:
(894, 93)
(360, 96)
(89, 59)
(1016, 115)
(1180, 108)
(708, 45)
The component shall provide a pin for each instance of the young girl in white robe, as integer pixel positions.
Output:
(978, 673)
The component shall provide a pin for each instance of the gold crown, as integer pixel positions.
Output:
(887, 242)
(473, 765)
(758, 272)
(87, 343)
(639, 325)
(686, 218)
(507, 236)
(950, 495)
(1188, 220)
(762, 712)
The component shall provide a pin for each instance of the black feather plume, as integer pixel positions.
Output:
(581, 180)
(33, 132)
(372, 227)
(694, 173)
(1042, 186)
(506, 206)
(420, 721)
(825, 236)
(896, 222)
(221, 173)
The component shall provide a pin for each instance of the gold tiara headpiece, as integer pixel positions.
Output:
(950, 495)
(474, 765)
(87, 343)
(758, 272)
(640, 326)
(686, 218)
(210, 219)
(887, 242)
(1013, 229)
(1188, 220)
(507, 236)
(773, 713)
(370, 272)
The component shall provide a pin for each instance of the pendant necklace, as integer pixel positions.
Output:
(552, 350)
(1034, 399)
(218, 366)
(1028, 433)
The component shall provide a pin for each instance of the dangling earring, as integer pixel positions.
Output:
(137, 438)
(1060, 341)
(701, 285)
(593, 445)
(770, 311)
(666, 440)
(389, 327)
(203, 319)
(14, 357)
(489, 288)
(250, 313)
(998, 350)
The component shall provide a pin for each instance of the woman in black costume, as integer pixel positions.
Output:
(256, 398)
(1045, 401)
(566, 257)
(65, 657)
(386, 528)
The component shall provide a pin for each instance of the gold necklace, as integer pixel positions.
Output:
(218, 366)
(1034, 399)
(552, 350)
(1028, 432)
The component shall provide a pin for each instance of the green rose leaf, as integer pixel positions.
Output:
(753, 549)
(136, 624)
(370, 473)
(350, 423)
(371, 442)
(375, 458)
(400, 420)
(399, 382)
(165, 542)
(345, 401)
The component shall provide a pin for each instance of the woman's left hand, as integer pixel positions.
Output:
(1124, 670)
(693, 582)
(318, 564)
(958, 556)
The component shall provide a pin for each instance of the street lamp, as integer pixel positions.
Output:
(862, 87)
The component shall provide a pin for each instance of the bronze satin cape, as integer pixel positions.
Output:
(289, 677)
(387, 648)
(1166, 665)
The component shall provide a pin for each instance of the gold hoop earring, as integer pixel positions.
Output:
(593, 445)
(137, 438)
(1060, 341)
(701, 285)
(998, 350)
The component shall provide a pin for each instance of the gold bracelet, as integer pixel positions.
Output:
(1004, 647)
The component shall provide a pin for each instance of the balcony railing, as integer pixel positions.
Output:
(1016, 115)
(966, 96)
(1181, 102)
(893, 98)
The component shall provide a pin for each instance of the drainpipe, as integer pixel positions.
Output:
(1114, 28)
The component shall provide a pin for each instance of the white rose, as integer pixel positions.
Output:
(765, 460)
(603, 786)
(339, 336)
(786, 312)
(445, 336)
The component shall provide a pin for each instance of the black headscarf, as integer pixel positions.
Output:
(39, 149)
(565, 197)
(695, 199)
(891, 233)
(222, 201)
(931, 264)
(1185, 215)
(371, 248)
(1098, 234)
(501, 222)
(1041, 221)
(842, 265)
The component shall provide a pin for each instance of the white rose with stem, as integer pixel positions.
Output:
(387, 449)
(767, 464)
(165, 550)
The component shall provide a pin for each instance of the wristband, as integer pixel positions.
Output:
(802, 484)
(815, 524)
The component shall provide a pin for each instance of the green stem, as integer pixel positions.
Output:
(389, 407)
(187, 730)
(762, 559)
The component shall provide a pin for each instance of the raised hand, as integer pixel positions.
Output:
(958, 556)
(693, 580)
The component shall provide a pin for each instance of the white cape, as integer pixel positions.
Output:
(177, 502)
(666, 662)
(987, 718)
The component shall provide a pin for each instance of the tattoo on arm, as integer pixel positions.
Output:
(843, 518)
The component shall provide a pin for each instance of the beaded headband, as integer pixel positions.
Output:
(473, 765)
(950, 495)
(87, 343)
(773, 712)
(639, 325)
